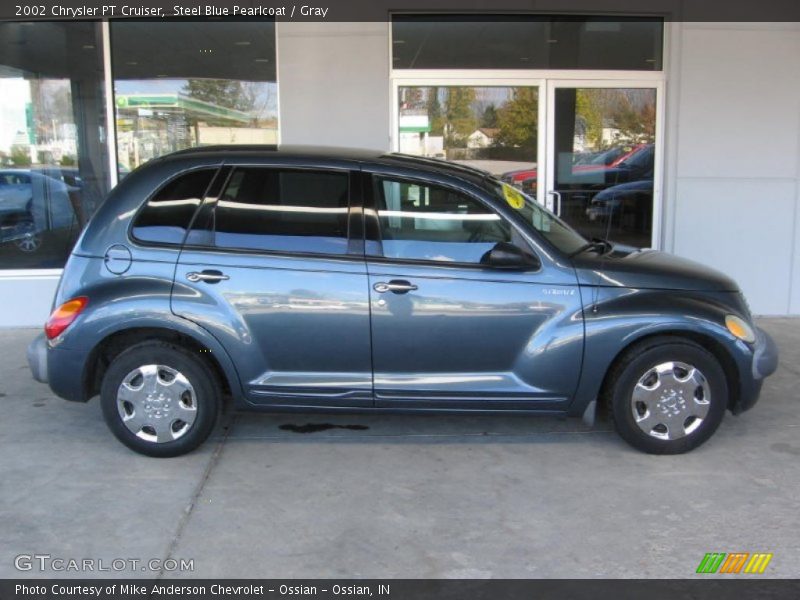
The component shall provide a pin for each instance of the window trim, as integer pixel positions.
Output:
(372, 224)
(353, 200)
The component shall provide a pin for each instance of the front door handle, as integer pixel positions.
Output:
(398, 286)
(209, 276)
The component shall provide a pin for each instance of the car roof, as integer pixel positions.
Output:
(334, 153)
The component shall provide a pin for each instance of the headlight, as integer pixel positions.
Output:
(740, 329)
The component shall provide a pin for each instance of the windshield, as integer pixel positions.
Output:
(558, 233)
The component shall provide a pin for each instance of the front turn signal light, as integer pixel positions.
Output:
(63, 316)
(740, 329)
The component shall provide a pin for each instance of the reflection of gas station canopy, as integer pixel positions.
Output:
(130, 105)
(414, 123)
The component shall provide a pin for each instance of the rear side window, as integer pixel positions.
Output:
(166, 216)
(283, 210)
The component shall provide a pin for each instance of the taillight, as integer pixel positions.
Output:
(63, 316)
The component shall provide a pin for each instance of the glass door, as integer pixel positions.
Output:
(492, 125)
(602, 141)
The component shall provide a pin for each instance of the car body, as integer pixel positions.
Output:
(301, 279)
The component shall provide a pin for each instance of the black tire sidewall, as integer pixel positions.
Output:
(642, 360)
(206, 389)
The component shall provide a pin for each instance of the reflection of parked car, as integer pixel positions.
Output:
(30, 204)
(311, 279)
(604, 157)
(595, 166)
(611, 201)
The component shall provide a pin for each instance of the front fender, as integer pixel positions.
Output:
(620, 317)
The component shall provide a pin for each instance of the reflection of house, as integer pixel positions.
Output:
(483, 137)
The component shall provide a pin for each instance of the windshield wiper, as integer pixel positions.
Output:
(597, 244)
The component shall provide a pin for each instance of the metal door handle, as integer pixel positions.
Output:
(557, 207)
(398, 286)
(207, 276)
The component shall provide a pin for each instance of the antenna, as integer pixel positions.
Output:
(610, 217)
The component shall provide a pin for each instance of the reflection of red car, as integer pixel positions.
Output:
(525, 179)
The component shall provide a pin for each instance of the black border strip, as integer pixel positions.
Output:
(709, 587)
(380, 10)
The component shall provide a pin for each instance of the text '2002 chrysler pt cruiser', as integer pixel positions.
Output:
(300, 279)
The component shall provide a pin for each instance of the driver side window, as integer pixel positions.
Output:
(426, 222)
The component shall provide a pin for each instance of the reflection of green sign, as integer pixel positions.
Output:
(172, 102)
(29, 123)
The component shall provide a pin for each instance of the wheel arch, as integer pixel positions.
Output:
(117, 341)
(707, 342)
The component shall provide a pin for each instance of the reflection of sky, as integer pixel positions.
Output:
(266, 92)
(16, 93)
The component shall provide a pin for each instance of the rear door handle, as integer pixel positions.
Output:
(209, 276)
(398, 286)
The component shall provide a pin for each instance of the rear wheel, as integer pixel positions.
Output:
(27, 239)
(667, 395)
(159, 399)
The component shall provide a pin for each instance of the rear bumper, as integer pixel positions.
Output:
(37, 358)
(62, 369)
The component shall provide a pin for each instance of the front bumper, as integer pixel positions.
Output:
(765, 355)
(37, 358)
(762, 363)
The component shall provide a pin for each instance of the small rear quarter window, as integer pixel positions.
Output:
(166, 216)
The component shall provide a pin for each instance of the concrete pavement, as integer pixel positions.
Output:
(405, 497)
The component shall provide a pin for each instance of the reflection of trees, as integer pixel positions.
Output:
(631, 112)
(461, 120)
(222, 92)
(489, 117)
(435, 112)
(517, 121)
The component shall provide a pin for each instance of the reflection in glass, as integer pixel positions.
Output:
(53, 170)
(605, 157)
(526, 42)
(424, 222)
(490, 128)
(180, 84)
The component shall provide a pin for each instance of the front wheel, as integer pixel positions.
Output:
(667, 396)
(159, 399)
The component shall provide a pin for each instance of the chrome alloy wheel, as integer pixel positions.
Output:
(157, 403)
(671, 400)
(29, 240)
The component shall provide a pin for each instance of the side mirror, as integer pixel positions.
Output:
(509, 256)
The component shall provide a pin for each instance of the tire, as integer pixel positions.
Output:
(667, 395)
(160, 399)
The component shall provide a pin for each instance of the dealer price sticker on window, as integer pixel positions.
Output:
(514, 197)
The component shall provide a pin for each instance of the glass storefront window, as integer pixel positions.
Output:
(53, 161)
(605, 161)
(526, 42)
(493, 128)
(180, 84)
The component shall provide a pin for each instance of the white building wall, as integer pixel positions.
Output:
(732, 185)
(333, 81)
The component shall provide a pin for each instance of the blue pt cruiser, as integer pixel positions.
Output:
(301, 279)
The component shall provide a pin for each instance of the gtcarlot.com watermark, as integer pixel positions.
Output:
(57, 564)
